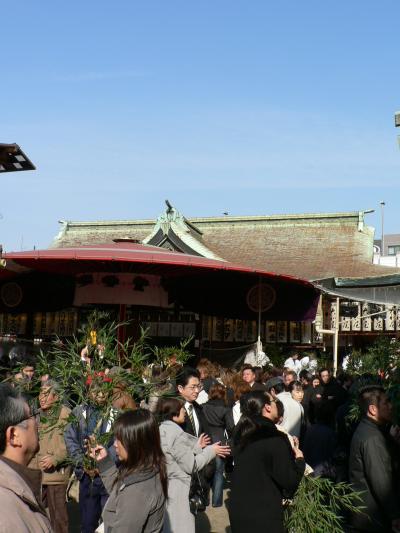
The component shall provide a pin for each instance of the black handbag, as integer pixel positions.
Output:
(197, 493)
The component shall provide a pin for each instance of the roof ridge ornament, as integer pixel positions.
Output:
(173, 229)
(171, 214)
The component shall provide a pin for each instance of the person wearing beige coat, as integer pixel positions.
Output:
(52, 456)
(21, 510)
(21, 506)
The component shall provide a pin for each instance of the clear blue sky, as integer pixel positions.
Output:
(250, 107)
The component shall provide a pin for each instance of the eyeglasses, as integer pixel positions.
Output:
(195, 387)
(35, 413)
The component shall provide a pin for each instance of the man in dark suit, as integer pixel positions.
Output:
(373, 465)
(189, 386)
(249, 376)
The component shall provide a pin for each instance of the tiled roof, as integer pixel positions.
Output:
(308, 246)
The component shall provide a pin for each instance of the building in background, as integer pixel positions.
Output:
(316, 247)
(390, 255)
(328, 249)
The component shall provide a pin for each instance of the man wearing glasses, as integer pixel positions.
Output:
(20, 487)
(189, 387)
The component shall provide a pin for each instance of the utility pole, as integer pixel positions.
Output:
(382, 227)
(336, 339)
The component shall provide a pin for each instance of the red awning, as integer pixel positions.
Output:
(143, 258)
(196, 283)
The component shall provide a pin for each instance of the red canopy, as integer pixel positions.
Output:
(150, 258)
(197, 283)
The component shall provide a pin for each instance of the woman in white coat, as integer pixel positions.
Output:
(182, 451)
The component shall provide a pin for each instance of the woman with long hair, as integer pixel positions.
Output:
(138, 490)
(184, 454)
(267, 469)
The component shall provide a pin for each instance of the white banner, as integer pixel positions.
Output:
(129, 289)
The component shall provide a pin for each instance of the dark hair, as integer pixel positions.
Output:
(167, 408)
(248, 367)
(370, 395)
(305, 374)
(139, 434)
(279, 387)
(12, 411)
(295, 385)
(252, 403)
(217, 392)
(185, 374)
(258, 371)
(275, 372)
(251, 406)
(324, 370)
(280, 407)
(342, 377)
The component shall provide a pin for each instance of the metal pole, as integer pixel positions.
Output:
(259, 322)
(336, 339)
(382, 228)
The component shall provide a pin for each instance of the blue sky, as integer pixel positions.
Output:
(255, 107)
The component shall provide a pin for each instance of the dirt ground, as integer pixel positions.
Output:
(214, 520)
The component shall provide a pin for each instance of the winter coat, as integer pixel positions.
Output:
(75, 434)
(219, 418)
(334, 392)
(319, 444)
(371, 463)
(314, 400)
(258, 387)
(21, 511)
(305, 402)
(52, 443)
(181, 451)
(265, 472)
(136, 504)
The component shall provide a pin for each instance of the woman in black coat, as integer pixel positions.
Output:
(267, 469)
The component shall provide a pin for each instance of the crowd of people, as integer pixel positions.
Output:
(151, 463)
